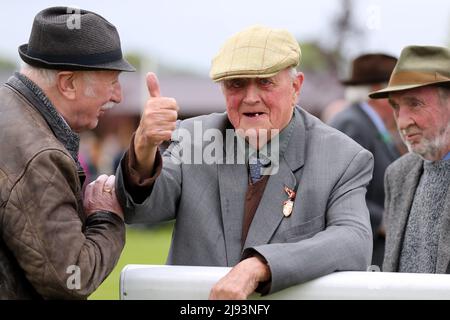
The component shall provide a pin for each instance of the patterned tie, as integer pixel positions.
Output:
(255, 170)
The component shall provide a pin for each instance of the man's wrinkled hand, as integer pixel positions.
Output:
(158, 121)
(100, 195)
(241, 281)
(159, 117)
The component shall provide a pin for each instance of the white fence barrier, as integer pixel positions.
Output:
(163, 282)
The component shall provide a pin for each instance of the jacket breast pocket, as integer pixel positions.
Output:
(305, 230)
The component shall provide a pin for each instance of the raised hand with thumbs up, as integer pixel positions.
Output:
(158, 121)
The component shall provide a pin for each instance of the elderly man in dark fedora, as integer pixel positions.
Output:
(55, 243)
(371, 123)
(279, 218)
(417, 185)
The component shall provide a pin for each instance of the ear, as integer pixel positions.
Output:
(65, 81)
(297, 85)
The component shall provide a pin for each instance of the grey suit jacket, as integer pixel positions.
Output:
(328, 230)
(401, 181)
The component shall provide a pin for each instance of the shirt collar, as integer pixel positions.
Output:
(376, 120)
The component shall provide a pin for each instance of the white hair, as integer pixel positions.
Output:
(444, 94)
(293, 73)
(45, 77)
(360, 93)
(356, 94)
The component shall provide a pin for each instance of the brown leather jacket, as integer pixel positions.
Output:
(45, 239)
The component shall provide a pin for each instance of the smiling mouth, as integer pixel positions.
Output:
(253, 114)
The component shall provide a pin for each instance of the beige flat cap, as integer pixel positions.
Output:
(256, 52)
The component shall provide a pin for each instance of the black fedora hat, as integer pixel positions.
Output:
(64, 38)
(371, 68)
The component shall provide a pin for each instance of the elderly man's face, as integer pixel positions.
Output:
(99, 91)
(262, 103)
(423, 120)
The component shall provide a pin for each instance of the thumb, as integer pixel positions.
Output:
(153, 85)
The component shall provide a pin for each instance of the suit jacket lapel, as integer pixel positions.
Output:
(270, 210)
(405, 195)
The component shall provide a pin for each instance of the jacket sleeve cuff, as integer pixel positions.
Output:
(139, 188)
(263, 287)
(101, 216)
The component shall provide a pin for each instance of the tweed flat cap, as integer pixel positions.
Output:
(418, 66)
(256, 52)
(64, 38)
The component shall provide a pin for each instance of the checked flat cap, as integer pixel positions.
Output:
(255, 52)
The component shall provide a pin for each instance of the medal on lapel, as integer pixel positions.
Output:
(288, 205)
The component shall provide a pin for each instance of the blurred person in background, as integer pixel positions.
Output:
(57, 243)
(88, 155)
(371, 123)
(278, 220)
(417, 185)
(332, 109)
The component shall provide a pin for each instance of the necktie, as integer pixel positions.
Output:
(255, 170)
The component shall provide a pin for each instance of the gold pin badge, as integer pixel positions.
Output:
(288, 205)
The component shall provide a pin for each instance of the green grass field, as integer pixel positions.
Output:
(143, 246)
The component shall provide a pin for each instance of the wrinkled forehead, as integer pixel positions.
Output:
(421, 93)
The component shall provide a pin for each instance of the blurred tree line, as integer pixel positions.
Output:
(332, 56)
(6, 64)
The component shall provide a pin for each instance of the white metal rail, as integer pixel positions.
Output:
(194, 283)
